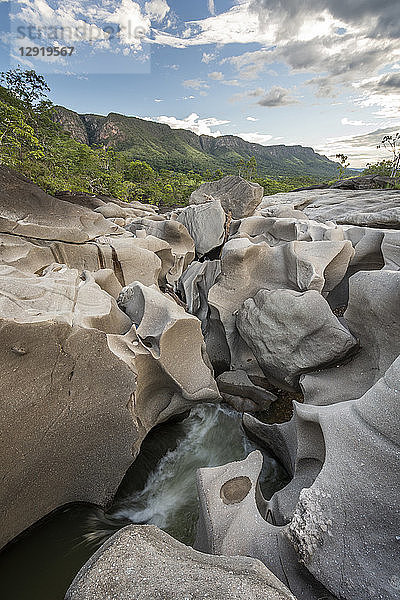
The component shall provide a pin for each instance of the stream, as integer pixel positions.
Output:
(159, 488)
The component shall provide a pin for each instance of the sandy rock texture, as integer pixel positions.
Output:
(144, 562)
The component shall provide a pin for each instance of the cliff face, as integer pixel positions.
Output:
(71, 122)
(179, 149)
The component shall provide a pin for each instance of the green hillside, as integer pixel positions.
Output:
(181, 150)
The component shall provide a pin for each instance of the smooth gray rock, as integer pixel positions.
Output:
(237, 196)
(276, 231)
(373, 317)
(368, 208)
(291, 333)
(247, 268)
(338, 515)
(67, 427)
(391, 250)
(143, 562)
(195, 284)
(174, 340)
(206, 225)
(239, 391)
(28, 211)
(175, 234)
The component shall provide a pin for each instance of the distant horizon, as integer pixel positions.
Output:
(319, 74)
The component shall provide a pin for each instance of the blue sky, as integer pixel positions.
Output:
(320, 73)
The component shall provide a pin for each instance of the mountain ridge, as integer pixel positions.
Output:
(180, 149)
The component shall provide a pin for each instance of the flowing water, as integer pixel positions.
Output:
(160, 488)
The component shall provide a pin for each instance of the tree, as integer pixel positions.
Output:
(392, 144)
(26, 85)
(17, 138)
(344, 164)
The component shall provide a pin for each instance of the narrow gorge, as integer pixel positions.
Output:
(202, 403)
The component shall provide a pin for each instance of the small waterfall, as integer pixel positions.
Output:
(209, 437)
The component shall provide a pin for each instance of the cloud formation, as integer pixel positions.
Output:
(193, 123)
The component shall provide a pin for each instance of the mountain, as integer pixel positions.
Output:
(182, 150)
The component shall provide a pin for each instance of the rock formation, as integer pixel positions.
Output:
(237, 196)
(109, 327)
(145, 562)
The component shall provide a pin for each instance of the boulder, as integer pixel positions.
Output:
(144, 562)
(247, 268)
(205, 224)
(240, 392)
(28, 211)
(291, 333)
(67, 429)
(237, 196)
(373, 317)
(173, 338)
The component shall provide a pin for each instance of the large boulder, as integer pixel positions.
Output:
(67, 429)
(206, 225)
(291, 333)
(28, 211)
(144, 562)
(173, 338)
(247, 268)
(373, 317)
(237, 196)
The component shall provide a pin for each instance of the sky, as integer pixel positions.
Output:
(319, 73)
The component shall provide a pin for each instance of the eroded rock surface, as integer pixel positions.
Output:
(145, 562)
(291, 333)
(206, 225)
(237, 196)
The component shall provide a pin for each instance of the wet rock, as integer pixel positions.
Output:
(145, 562)
(205, 224)
(237, 196)
(291, 333)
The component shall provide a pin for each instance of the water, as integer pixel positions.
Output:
(160, 488)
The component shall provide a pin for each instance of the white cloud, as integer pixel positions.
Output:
(158, 100)
(211, 7)
(157, 10)
(193, 123)
(195, 84)
(346, 121)
(208, 57)
(216, 75)
(361, 149)
(256, 138)
(251, 119)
